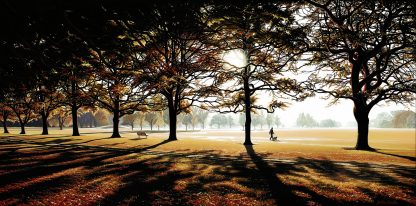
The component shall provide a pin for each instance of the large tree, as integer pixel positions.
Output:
(262, 36)
(363, 51)
(180, 61)
(114, 57)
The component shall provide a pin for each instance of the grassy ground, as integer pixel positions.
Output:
(305, 167)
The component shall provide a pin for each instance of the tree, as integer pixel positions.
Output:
(261, 35)
(151, 118)
(329, 123)
(23, 107)
(201, 115)
(160, 122)
(194, 119)
(306, 120)
(141, 119)
(130, 119)
(383, 120)
(230, 121)
(5, 113)
(363, 51)
(404, 119)
(270, 120)
(179, 57)
(277, 121)
(186, 120)
(218, 120)
(61, 115)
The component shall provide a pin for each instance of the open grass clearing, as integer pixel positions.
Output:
(58, 169)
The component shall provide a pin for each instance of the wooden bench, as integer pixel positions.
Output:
(140, 133)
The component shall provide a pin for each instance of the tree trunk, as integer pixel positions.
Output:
(5, 130)
(172, 119)
(116, 117)
(22, 128)
(74, 111)
(247, 102)
(44, 123)
(361, 116)
(151, 126)
(132, 126)
(186, 127)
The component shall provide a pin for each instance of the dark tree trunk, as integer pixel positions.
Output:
(132, 127)
(5, 130)
(74, 110)
(247, 140)
(361, 116)
(151, 126)
(172, 119)
(116, 120)
(44, 123)
(22, 128)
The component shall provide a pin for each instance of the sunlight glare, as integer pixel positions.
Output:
(235, 58)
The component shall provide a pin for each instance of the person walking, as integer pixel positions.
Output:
(271, 133)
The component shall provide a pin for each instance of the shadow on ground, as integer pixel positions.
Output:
(36, 174)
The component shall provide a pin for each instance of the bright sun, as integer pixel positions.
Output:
(235, 58)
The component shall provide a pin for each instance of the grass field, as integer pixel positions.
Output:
(305, 167)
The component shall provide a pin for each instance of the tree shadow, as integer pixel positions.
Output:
(396, 155)
(186, 177)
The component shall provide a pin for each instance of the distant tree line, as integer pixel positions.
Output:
(61, 57)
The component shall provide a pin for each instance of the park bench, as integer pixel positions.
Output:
(140, 133)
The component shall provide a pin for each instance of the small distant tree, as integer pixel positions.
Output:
(141, 119)
(404, 119)
(383, 120)
(230, 121)
(218, 120)
(186, 120)
(101, 117)
(277, 121)
(130, 119)
(306, 120)
(242, 120)
(160, 122)
(194, 120)
(151, 118)
(329, 123)
(201, 115)
(270, 120)
(61, 115)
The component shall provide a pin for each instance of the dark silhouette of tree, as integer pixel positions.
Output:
(263, 34)
(179, 59)
(118, 83)
(363, 51)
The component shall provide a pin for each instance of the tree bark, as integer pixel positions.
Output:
(361, 116)
(44, 123)
(116, 119)
(5, 130)
(22, 128)
(247, 101)
(172, 119)
(74, 111)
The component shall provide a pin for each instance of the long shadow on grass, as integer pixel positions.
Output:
(396, 155)
(192, 178)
